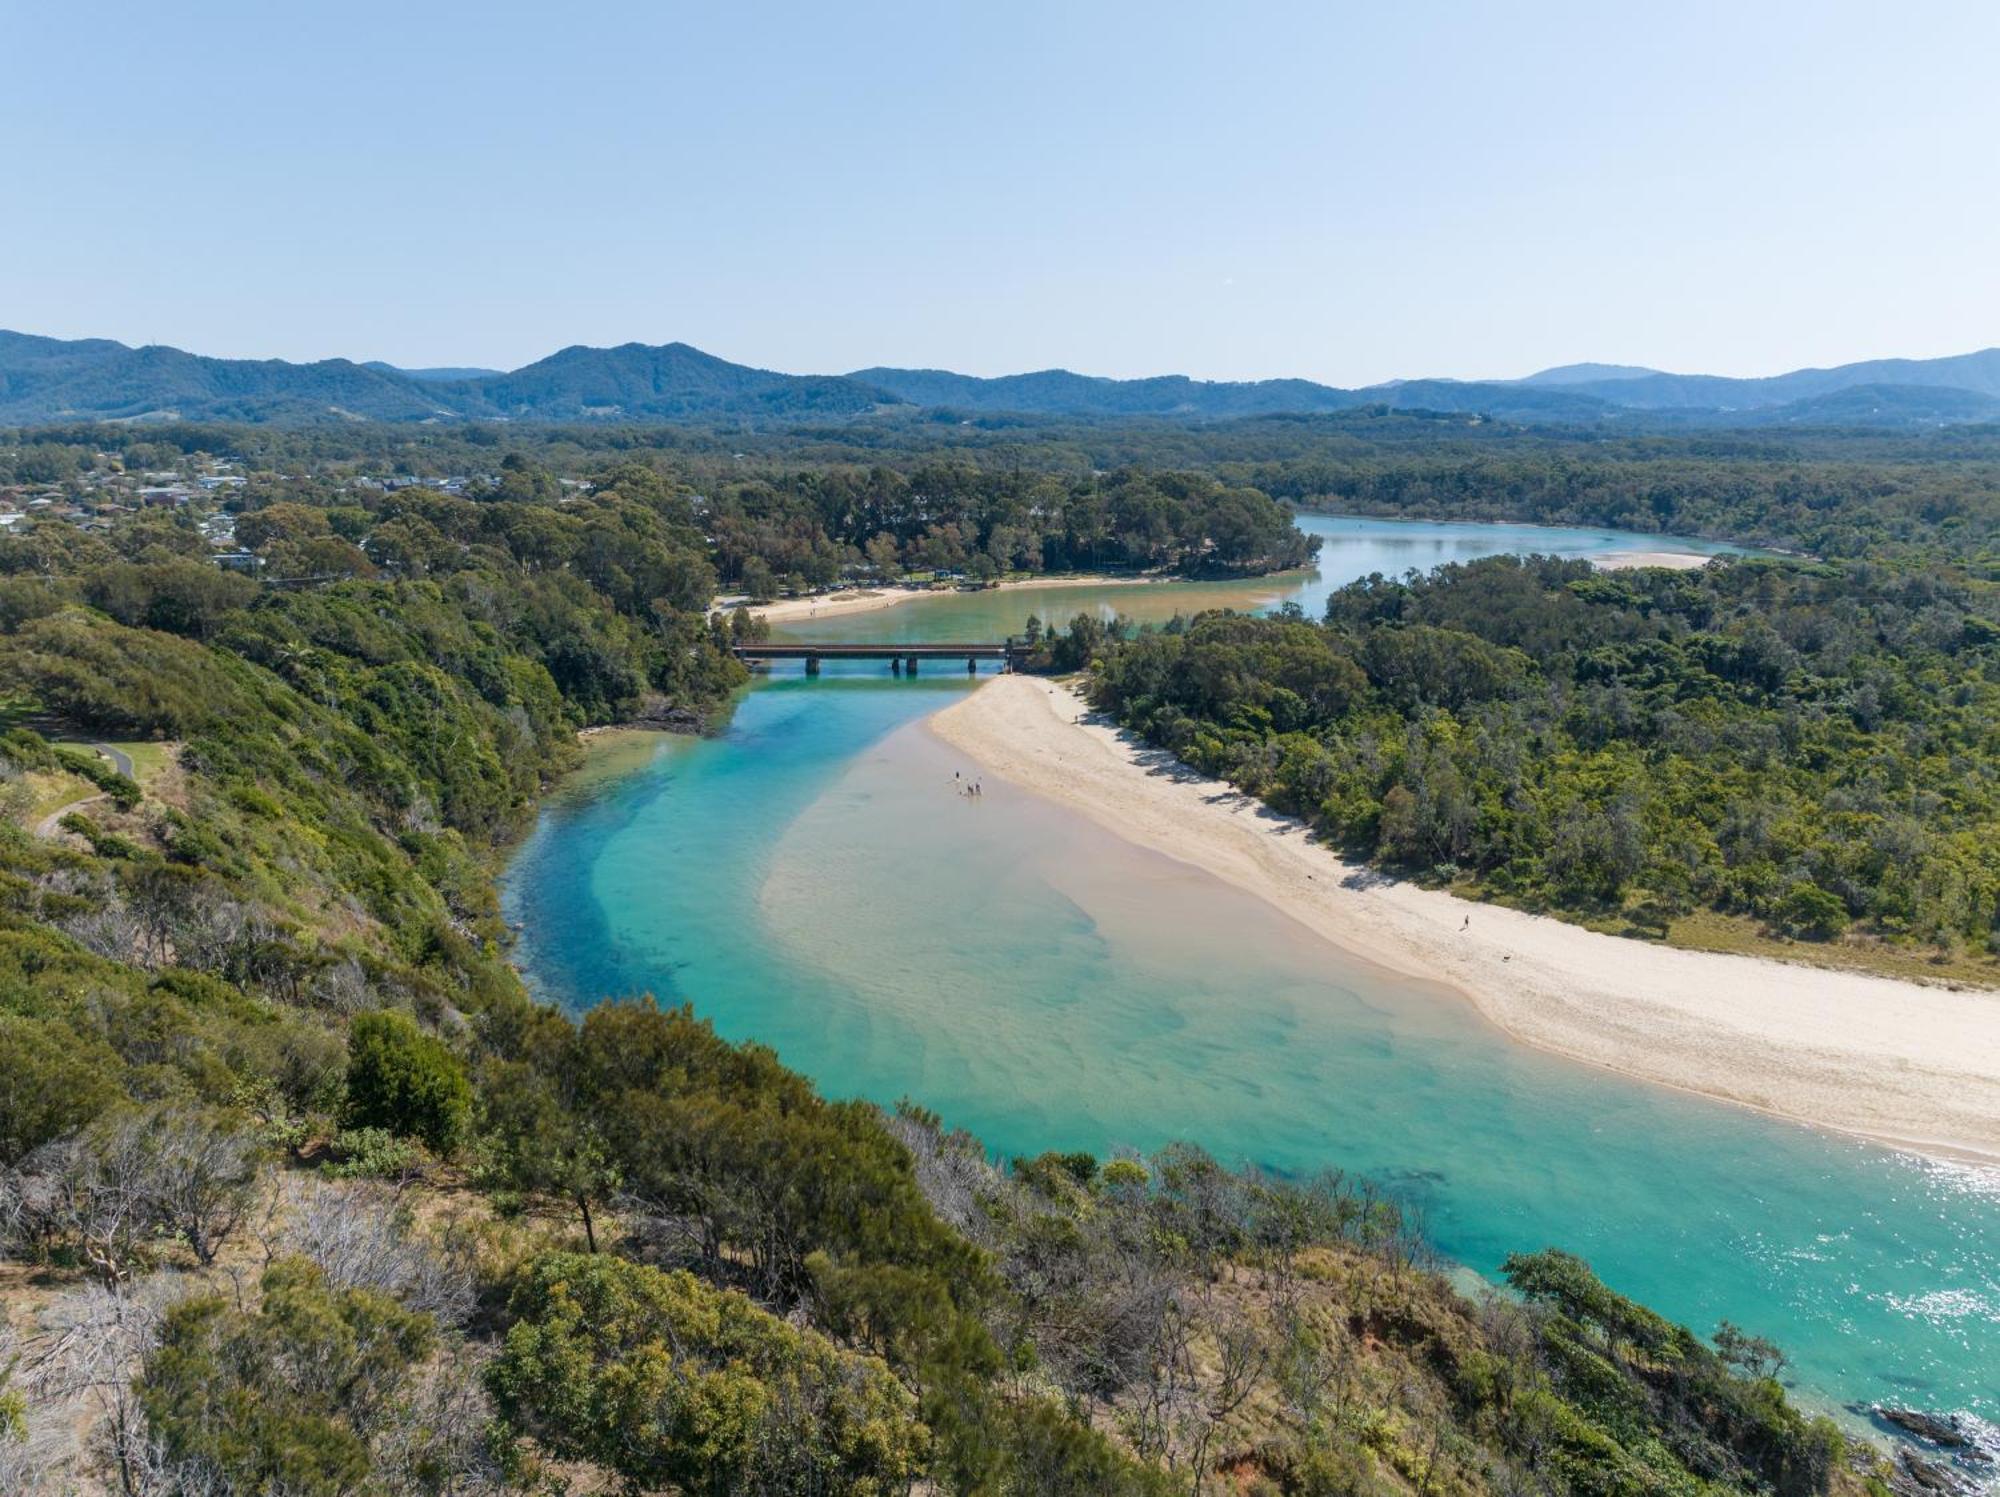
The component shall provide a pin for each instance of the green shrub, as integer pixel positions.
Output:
(289, 1397)
(123, 790)
(374, 1154)
(51, 1083)
(1813, 913)
(406, 1081)
(676, 1385)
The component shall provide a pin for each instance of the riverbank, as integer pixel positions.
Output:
(1906, 1064)
(870, 600)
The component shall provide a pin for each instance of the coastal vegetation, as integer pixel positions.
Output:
(1803, 746)
(300, 1191)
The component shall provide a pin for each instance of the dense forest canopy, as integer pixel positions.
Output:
(1826, 492)
(300, 1191)
(950, 517)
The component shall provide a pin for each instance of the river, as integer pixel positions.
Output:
(810, 879)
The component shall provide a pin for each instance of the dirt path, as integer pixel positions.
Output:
(51, 824)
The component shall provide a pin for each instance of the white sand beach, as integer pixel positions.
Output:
(868, 600)
(1902, 1062)
(1619, 561)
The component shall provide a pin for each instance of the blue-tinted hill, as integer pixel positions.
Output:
(49, 379)
(94, 379)
(447, 375)
(671, 382)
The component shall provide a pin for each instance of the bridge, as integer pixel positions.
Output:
(902, 657)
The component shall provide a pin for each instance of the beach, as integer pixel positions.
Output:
(1900, 1062)
(870, 600)
(1621, 561)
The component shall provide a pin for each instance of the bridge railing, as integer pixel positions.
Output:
(902, 655)
(799, 649)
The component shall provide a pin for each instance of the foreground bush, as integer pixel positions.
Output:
(676, 1385)
(287, 1398)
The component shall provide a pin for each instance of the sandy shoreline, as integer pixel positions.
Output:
(1679, 561)
(869, 600)
(1906, 1064)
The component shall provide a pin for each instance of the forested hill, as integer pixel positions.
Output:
(299, 1191)
(46, 379)
(1059, 392)
(674, 382)
(1972, 373)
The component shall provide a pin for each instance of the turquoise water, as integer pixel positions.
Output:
(811, 879)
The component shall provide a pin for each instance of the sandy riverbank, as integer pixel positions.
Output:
(1619, 561)
(1908, 1064)
(868, 600)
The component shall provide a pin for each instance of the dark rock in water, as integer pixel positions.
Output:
(1916, 1477)
(1915, 1474)
(1941, 1430)
(657, 712)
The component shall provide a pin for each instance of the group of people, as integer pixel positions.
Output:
(964, 786)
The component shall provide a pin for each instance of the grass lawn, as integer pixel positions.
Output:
(148, 759)
(51, 792)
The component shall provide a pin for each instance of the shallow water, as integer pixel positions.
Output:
(813, 880)
(1352, 547)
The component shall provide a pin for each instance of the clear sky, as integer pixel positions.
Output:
(1346, 192)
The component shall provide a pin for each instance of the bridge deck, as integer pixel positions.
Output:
(797, 650)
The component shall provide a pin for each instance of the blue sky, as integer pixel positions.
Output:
(1342, 192)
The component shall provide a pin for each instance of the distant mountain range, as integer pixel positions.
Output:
(447, 375)
(49, 380)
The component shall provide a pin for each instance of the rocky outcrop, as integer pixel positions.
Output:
(1968, 1451)
(1947, 1431)
(667, 717)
